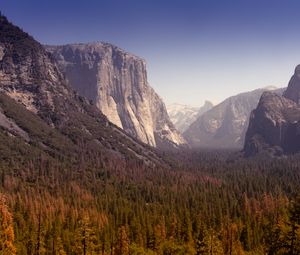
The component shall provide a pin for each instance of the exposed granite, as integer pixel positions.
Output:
(116, 82)
(274, 127)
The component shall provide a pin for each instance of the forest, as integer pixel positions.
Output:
(73, 183)
(200, 202)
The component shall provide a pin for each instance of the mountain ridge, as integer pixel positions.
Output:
(116, 81)
(224, 126)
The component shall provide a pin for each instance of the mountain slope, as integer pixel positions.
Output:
(183, 115)
(49, 114)
(224, 126)
(275, 123)
(116, 82)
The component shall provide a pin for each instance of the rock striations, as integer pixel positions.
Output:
(225, 125)
(274, 126)
(48, 108)
(116, 82)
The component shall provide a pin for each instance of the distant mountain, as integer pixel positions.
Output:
(40, 113)
(275, 123)
(184, 115)
(116, 81)
(225, 125)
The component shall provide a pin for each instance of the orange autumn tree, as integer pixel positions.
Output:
(6, 229)
(122, 246)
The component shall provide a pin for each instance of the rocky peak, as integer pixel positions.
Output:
(184, 115)
(27, 72)
(293, 90)
(23, 57)
(116, 81)
(207, 105)
(274, 126)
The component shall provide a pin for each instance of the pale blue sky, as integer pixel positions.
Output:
(195, 49)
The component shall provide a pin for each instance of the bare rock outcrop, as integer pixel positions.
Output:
(274, 126)
(116, 82)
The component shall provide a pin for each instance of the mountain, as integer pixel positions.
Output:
(40, 112)
(225, 125)
(116, 82)
(274, 124)
(184, 115)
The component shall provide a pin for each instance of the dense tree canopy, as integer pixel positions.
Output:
(202, 203)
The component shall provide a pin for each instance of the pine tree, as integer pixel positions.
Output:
(173, 228)
(6, 229)
(213, 243)
(186, 229)
(85, 238)
(245, 237)
(294, 233)
(201, 246)
(122, 245)
(231, 239)
(57, 246)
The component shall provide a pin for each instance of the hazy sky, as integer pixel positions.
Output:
(195, 49)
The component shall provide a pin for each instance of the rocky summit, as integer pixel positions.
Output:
(293, 90)
(184, 115)
(274, 127)
(225, 125)
(116, 82)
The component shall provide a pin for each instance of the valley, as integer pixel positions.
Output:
(93, 162)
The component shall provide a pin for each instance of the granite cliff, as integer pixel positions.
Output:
(40, 110)
(116, 82)
(274, 126)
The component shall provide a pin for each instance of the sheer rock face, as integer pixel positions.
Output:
(274, 126)
(29, 75)
(116, 82)
(225, 125)
(27, 72)
(293, 90)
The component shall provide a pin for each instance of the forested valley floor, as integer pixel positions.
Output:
(198, 203)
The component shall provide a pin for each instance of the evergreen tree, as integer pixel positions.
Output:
(85, 238)
(213, 244)
(122, 245)
(231, 239)
(201, 245)
(186, 229)
(6, 229)
(294, 224)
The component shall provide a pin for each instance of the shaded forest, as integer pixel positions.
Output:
(201, 203)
